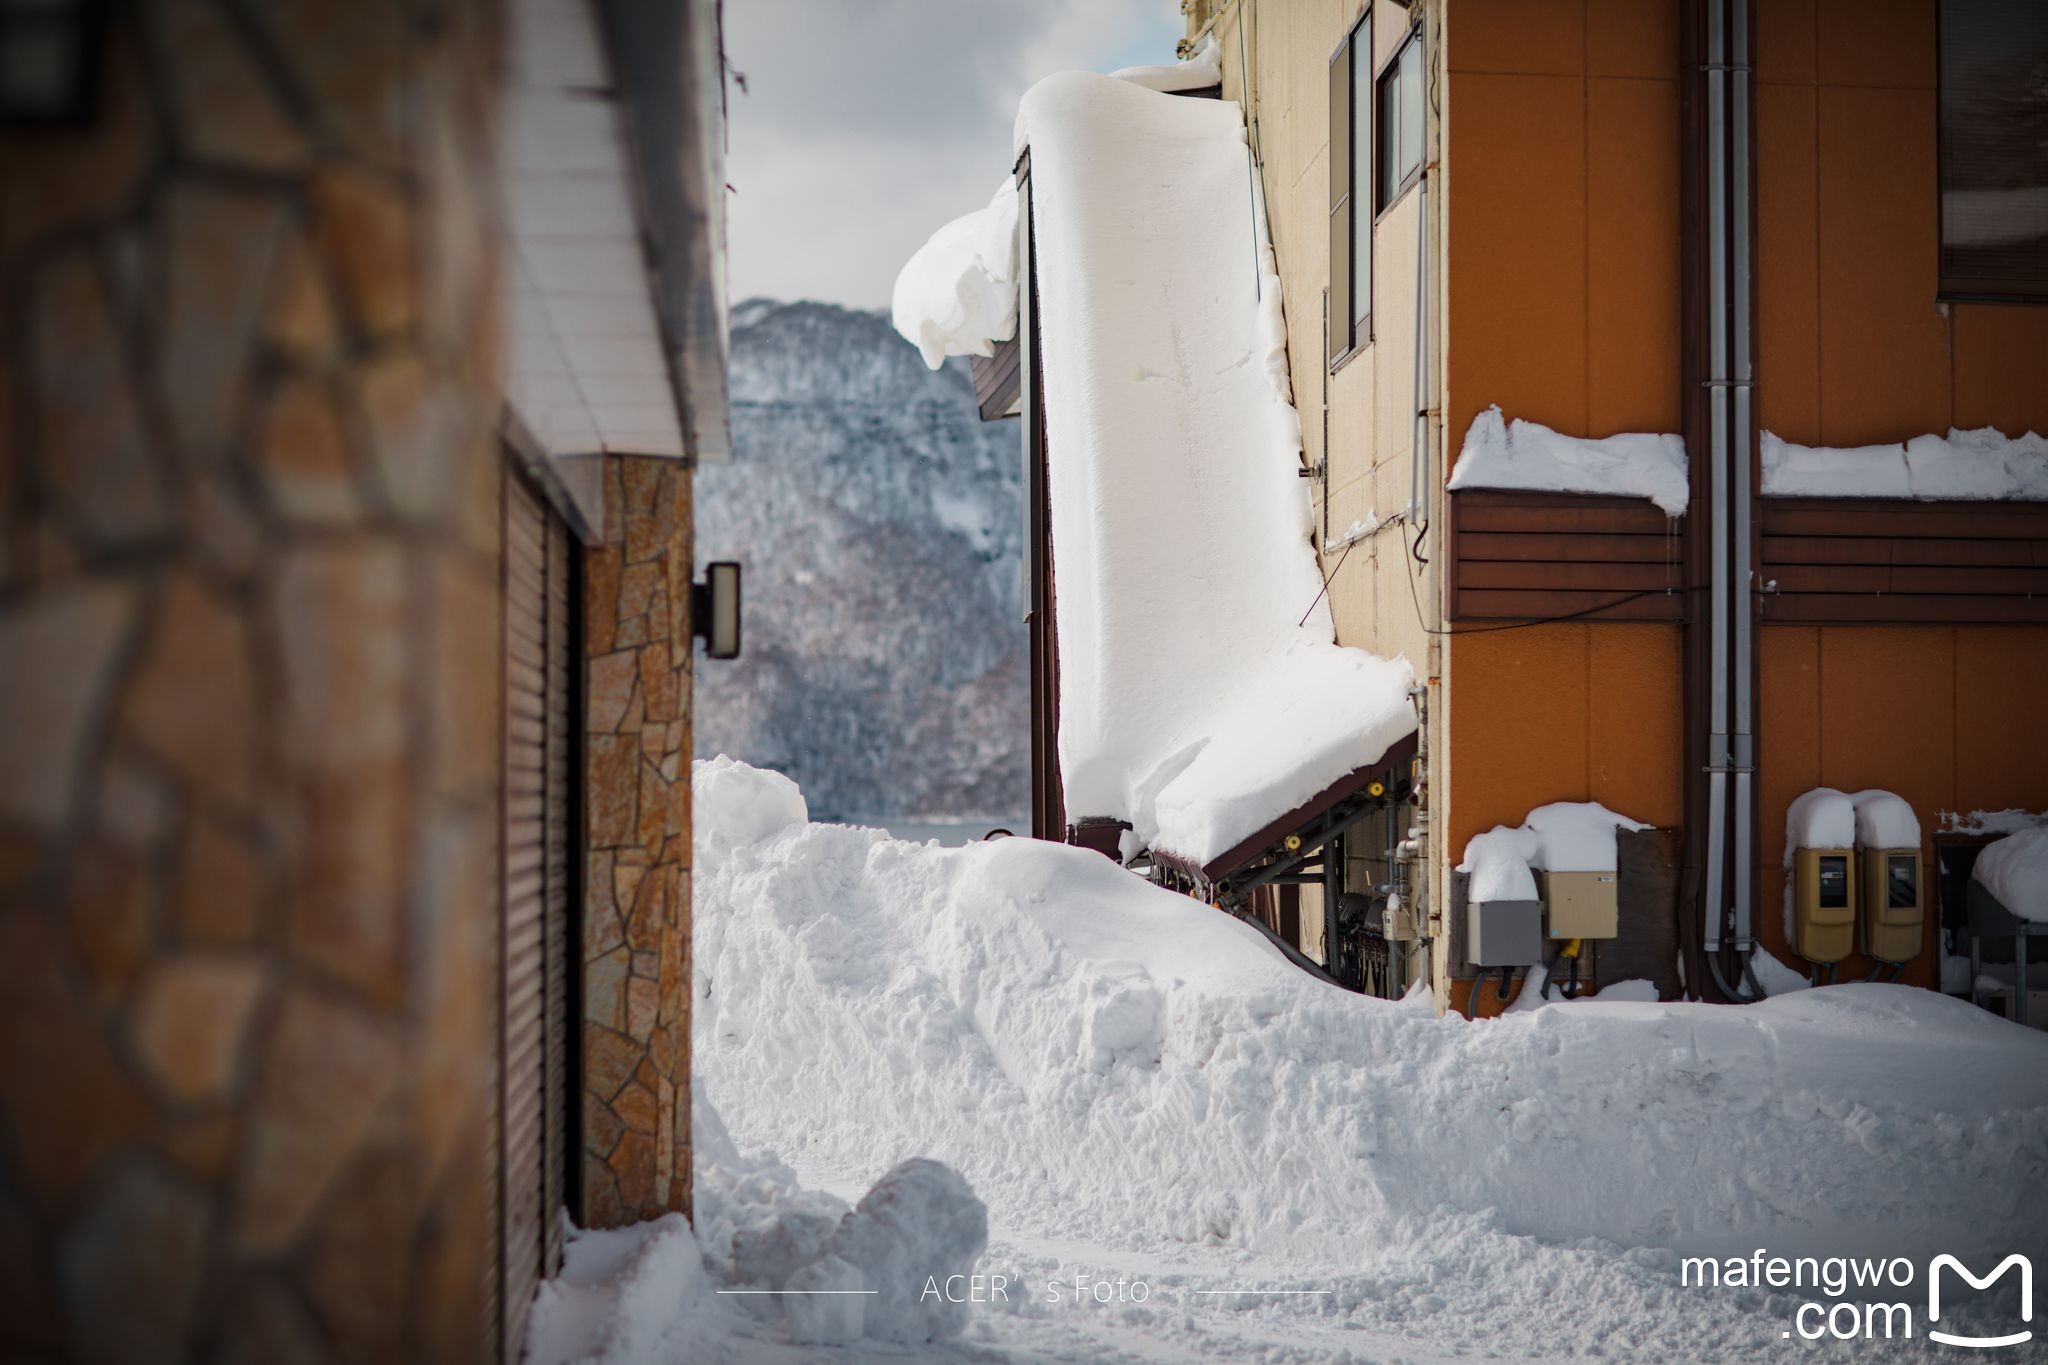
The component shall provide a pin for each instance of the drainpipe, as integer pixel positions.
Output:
(1743, 575)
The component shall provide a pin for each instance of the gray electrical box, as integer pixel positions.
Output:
(1504, 933)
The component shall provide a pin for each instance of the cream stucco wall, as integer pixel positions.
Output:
(1276, 63)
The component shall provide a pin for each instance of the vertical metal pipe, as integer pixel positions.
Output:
(1743, 620)
(1713, 901)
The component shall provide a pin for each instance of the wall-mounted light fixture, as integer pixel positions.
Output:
(50, 62)
(715, 609)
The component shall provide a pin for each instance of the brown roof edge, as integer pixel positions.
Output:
(1249, 851)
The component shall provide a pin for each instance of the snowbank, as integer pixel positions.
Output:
(1091, 1052)
(2015, 869)
(1529, 455)
(957, 295)
(1565, 836)
(1202, 69)
(1980, 464)
(1201, 696)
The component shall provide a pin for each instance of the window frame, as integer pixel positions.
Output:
(1962, 288)
(1356, 331)
(1391, 66)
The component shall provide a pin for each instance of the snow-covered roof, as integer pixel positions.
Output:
(1984, 464)
(1201, 694)
(1530, 457)
(957, 294)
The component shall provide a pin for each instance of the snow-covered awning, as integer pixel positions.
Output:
(1201, 694)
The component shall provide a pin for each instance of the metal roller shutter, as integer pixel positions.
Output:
(531, 1120)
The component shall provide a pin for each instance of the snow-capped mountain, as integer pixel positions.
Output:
(880, 522)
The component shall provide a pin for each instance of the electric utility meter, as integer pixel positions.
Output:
(1824, 903)
(1893, 911)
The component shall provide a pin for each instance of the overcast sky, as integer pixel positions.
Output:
(867, 124)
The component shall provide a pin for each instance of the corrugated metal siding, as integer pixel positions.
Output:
(531, 1124)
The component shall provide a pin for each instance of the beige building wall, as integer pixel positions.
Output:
(1275, 56)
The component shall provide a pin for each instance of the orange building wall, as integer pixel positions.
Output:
(1561, 160)
(1856, 347)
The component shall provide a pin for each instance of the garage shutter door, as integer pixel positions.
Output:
(532, 1119)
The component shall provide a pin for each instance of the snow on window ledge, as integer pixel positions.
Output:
(1526, 456)
(1984, 465)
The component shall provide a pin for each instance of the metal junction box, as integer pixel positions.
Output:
(1582, 904)
(1504, 933)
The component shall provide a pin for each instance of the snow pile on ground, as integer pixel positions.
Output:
(1983, 464)
(1095, 1055)
(1530, 456)
(2015, 870)
(769, 1262)
(957, 295)
(1565, 836)
(1202, 69)
(1821, 818)
(1201, 696)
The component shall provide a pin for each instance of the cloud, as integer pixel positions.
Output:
(867, 124)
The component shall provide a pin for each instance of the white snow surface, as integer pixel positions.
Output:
(957, 294)
(1137, 1083)
(1982, 464)
(1530, 456)
(1821, 818)
(1202, 69)
(1202, 695)
(2005, 821)
(1885, 820)
(2015, 869)
(1565, 836)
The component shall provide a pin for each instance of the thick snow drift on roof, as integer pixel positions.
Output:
(1202, 69)
(1565, 836)
(2015, 869)
(1100, 1057)
(1884, 820)
(1531, 457)
(1201, 696)
(1822, 818)
(1984, 464)
(957, 295)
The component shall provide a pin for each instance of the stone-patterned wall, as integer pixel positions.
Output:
(248, 690)
(636, 939)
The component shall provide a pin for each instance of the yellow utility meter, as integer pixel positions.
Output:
(1824, 903)
(1581, 904)
(1893, 912)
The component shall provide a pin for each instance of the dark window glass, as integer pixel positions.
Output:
(1834, 883)
(1902, 883)
(1361, 176)
(1994, 148)
(1400, 130)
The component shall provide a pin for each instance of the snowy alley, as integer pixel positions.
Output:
(1142, 1091)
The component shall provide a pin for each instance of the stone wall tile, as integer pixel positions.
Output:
(190, 699)
(189, 1021)
(326, 1072)
(604, 989)
(219, 896)
(364, 233)
(612, 677)
(130, 1267)
(227, 109)
(218, 246)
(304, 454)
(614, 792)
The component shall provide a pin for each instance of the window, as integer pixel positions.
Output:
(1351, 146)
(1400, 133)
(1994, 149)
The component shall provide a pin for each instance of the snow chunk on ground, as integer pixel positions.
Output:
(735, 803)
(1984, 464)
(1822, 818)
(1565, 836)
(1638, 991)
(1201, 693)
(1528, 455)
(919, 1224)
(957, 294)
(2015, 869)
(1202, 69)
(1884, 820)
